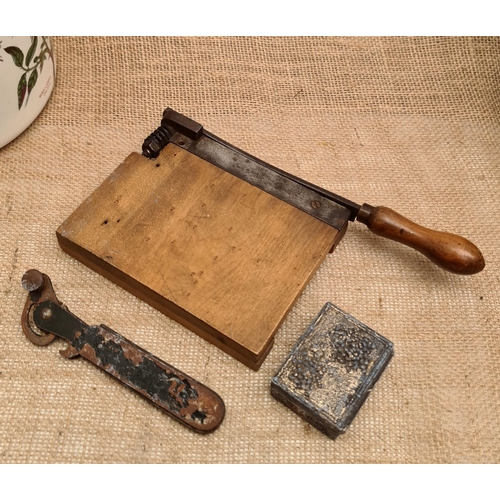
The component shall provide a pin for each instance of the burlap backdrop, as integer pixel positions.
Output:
(409, 123)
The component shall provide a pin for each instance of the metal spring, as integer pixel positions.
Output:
(155, 142)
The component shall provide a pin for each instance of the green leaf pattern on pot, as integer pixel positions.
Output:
(26, 84)
(31, 51)
(17, 55)
(32, 82)
(21, 90)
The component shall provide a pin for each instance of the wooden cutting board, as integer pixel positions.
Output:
(220, 256)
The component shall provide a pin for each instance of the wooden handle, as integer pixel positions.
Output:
(449, 251)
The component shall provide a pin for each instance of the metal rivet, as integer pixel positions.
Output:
(46, 314)
(33, 280)
(315, 204)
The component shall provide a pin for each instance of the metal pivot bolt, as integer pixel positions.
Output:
(155, 142)
(171, 123)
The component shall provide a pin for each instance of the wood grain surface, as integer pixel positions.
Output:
(449, 251)
(213, 252)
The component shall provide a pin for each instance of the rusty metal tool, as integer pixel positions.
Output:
(179, 395)
(449, 251)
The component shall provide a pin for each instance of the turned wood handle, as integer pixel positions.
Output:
(449, 251)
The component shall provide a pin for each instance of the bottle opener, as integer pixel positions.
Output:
(180, 396)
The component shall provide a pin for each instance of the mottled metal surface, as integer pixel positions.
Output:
(270, 180)
(176, 393)
(331, 370)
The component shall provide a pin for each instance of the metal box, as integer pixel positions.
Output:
(331, 370)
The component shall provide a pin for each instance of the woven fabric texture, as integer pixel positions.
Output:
(408, 123)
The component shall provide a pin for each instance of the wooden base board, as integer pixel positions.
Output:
(216, 254)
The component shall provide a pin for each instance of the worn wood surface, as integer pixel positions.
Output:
(449, 251)
(211, 251)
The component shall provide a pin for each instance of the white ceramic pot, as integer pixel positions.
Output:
(27, 76)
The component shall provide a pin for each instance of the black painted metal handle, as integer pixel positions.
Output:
(176, 393)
